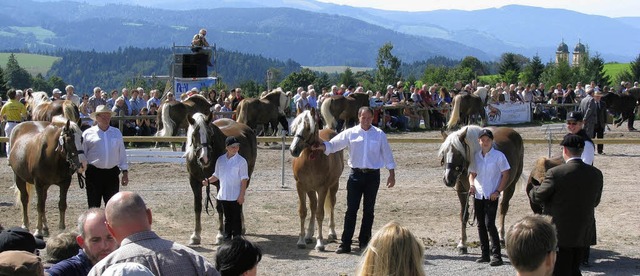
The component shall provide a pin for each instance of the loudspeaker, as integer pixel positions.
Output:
(184, 70)
(197, 58)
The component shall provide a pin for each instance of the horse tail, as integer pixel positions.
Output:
(167, 123)
(30, 190)
(455, 113)
(70, 111)
(241, 112)
(325, 111)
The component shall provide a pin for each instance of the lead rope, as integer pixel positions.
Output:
(81, 180)
(467, 211)
(208, 200)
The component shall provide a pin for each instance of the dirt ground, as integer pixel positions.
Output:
(419, 201)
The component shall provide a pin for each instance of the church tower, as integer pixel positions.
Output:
(562, 53)
(578, 53)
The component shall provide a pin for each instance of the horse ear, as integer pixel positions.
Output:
(464, 135)
(210, 117)
(191, 120)
(444, 133)
(313, 112)
(68, 124)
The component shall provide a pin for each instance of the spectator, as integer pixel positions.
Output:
(61, 247)
(601, 118)
(111, 102)
(588, 108)
(136, 103)
(143, 125)
(125, 96)
(20, 263)
(302, 103)
(226, 108)
(56, 95)
(96, 99)
(393, 250)
(12, 113)
(85, 110)
(95, 242)
(575, 125)
(569, 193)
(153, 99)
(238, 257)
(120, 109)
(170, 97)
(236, 99)
(71, 95)
(17, 238)
(312, 98)
(221, 97)
(532, 245)
(129, 220)
(200, 45)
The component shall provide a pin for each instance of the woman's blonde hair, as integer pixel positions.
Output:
(393, 250)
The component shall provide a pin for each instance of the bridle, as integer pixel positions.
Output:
(463, 168)
(72, 156)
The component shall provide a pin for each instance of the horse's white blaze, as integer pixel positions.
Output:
(204, 155)
(448, 159)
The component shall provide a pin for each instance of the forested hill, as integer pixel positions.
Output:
(112, 70)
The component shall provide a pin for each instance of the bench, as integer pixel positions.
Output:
(155, 156)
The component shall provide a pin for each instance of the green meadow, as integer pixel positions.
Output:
(34, 64)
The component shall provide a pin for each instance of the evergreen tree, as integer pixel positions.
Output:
(387, 67)
(474, 64)
(57, 82)
(635, 69)
(40, 84)
(15, 76)
(533, 70)
(322, 81)
(3, 87)
(435, 74)
(297, 79)
(597, 73)
(509, 68)
(347, 78)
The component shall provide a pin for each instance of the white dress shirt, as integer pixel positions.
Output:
(104, 149)
(588, 154)
(367, 149)
(230, 172)
(488, 169)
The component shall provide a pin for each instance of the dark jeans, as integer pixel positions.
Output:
(102, 184)
(486, 212)
(232, 219)
(360, 185)
(598, 132)
(568, 261)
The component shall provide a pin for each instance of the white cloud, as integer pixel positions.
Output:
(617, 8)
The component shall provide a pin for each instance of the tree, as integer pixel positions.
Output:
(296, 79)
(3, 87)
(15, 76)
(435, 74)
(474, 64)
(509, 68)
(57, 82)
(387, 67)
(40, 84)
(347, 78)
(596, 72)
(322, 81)
(532, 71)
(635, 69)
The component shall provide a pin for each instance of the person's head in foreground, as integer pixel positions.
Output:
(238, 257)
(393, 250)
(531, 245)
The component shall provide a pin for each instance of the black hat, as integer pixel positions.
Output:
(572, 141)
(18, 238)
(230, 141)
(486, 132)
(574, 116)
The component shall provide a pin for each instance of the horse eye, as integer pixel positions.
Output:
(457, 168)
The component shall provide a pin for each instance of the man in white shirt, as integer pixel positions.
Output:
(488, 177)
(369, 151)
(71, 96)
(153, 99)
(106, 158)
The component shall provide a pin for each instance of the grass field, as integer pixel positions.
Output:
(34, 64)
(613, 69)
(336, 69)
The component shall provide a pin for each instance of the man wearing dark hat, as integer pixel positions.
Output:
(575, 125)
(601, 118)
(232, 171)
(17, 238)
(569, 193)
(588, 109)
(106, 158)
(488, 176)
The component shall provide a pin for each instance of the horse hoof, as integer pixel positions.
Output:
(194, 241)
(320, 248)
(462, 251)
(308, 240)
(332, 237)
(302, 246)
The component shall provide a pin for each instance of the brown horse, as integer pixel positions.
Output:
(458, 152)
(46, 110)
(268, 110)
(537, 176)
(173, 115)
(45, 154)
(339, 110)
(466, 108)
(205, 143)
(33, 99)
(316, 176)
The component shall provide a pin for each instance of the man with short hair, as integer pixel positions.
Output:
(136, 102)
(129, 221)
(96, 243)
(125, 96)
(12, 113)
(198, 44)
(588, 108)
(71, 96)
(153, 99)
(569, 193)
(575, 125)
(96, 99)
(56, 95)
(531, 245)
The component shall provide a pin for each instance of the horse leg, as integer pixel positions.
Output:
(507, 194)
(220, 236)
(42, 229)
(463, 196)
(332, 201)
(196, 188)
(302, 213)
(23, 194)
(322, 198)
(313, 205)
(62, 204)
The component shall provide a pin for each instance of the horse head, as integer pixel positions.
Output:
(284, 100)
(457, 153)
(199, 146)
(305, 130)
(70, 141)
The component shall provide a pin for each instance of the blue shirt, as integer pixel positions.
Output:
(79, 265)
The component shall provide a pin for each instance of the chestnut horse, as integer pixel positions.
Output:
(173, 115)
(316, 176)
(205, 143)
(41, 108)
(339, 110)
(466, 108)
(45, 154)
(458, 152)
(268, 110)
(536, 177)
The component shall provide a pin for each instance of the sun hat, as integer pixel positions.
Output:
(101, 109)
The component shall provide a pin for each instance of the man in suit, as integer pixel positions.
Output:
(588, 109)
(569, 193)
(601, 118)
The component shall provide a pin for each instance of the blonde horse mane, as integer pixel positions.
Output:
(69, 111)
(471, 134)
(299, 122)
(455, 113)
(200, 120)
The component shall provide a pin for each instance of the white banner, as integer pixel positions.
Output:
(183, 85)
(508, 113)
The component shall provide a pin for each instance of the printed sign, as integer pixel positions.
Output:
(183, 85)
(508, 113)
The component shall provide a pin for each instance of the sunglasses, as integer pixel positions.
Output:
(572, 123)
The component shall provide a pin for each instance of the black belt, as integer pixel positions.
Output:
(17, 122)
(365, 170)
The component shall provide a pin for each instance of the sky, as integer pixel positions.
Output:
(610, 8)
